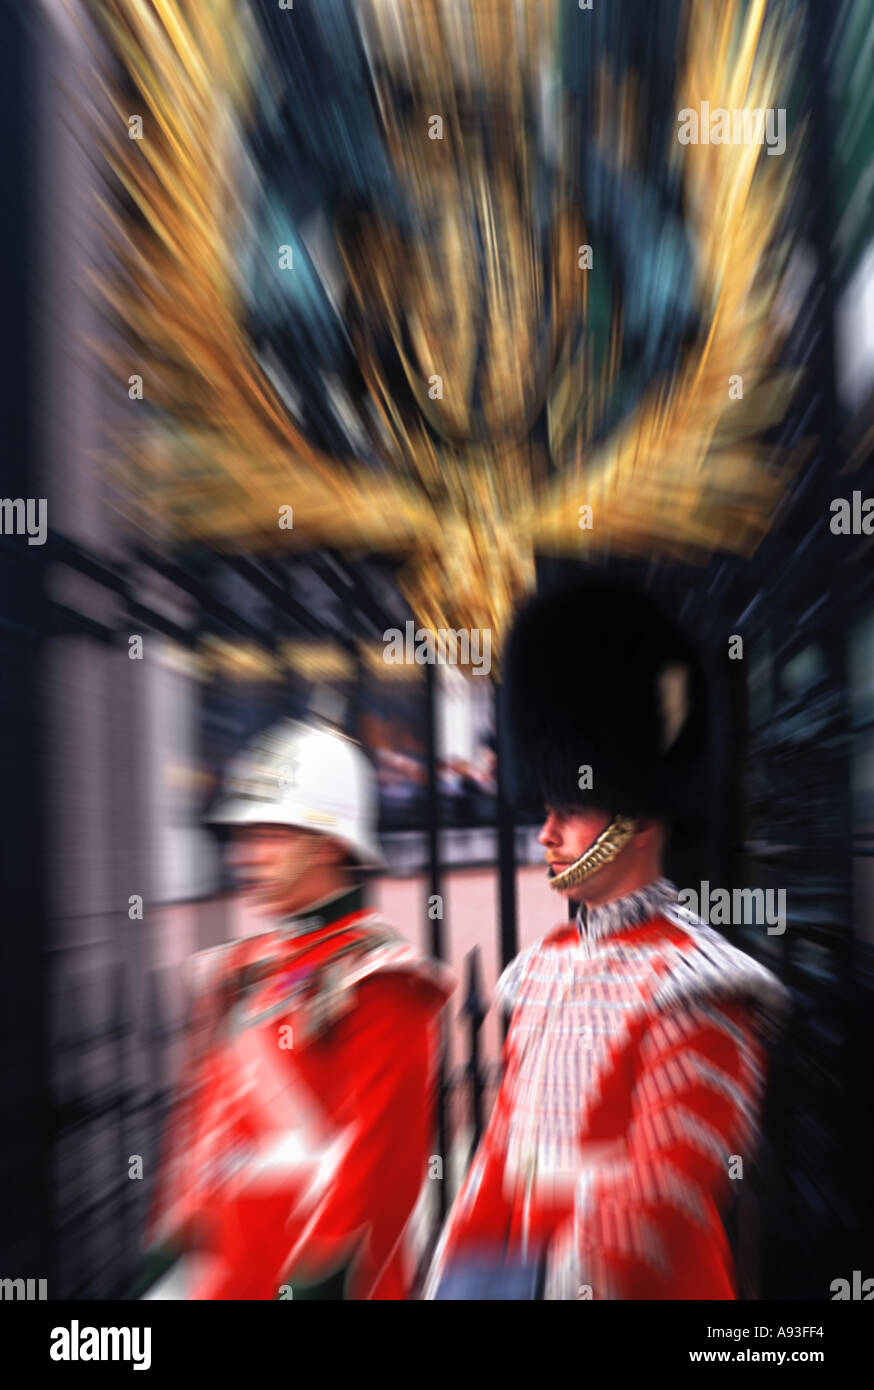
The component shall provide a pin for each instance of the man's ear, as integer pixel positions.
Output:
(334, 853)
(328, 851)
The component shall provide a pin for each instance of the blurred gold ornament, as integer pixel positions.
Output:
(488, 315)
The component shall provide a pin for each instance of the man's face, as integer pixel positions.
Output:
(565, 836)
(276, 866)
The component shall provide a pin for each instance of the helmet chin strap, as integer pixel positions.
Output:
(604, 850)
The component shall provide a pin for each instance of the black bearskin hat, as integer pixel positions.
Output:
(597, 676)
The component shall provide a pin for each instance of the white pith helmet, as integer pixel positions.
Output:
(307, 776)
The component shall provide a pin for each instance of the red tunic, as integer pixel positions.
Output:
(634, 1072)
(300, 1136)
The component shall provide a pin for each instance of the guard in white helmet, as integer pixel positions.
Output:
(298, 1145)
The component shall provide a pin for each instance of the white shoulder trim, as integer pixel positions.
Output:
(716, 969)
(398, 955)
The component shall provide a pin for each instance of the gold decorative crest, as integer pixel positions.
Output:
(494, 440)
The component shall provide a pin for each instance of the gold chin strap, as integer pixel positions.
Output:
(604, 850)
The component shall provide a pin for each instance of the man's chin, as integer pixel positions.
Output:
(577, 892)
(570, 893)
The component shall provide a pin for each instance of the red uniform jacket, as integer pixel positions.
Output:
(300, 1135)
(634, 1074)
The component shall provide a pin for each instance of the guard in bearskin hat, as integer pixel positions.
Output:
(297, 1146)
(635, 1059)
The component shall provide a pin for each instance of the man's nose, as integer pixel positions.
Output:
(550, 833)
